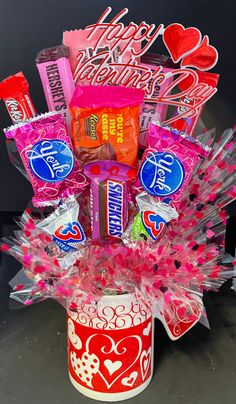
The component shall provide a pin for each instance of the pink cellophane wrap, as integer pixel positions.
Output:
(188, 258)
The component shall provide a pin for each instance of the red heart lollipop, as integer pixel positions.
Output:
(180, 41)
(203, 58)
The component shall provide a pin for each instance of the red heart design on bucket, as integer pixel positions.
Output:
(145, 360)
(180, 41)
(203, 58)
(129, 381)
(107, 348)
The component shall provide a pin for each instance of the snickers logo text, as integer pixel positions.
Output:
(115, 208)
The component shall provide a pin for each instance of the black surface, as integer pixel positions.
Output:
(198, 369)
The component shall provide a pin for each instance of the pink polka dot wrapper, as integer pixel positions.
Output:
(46, 151)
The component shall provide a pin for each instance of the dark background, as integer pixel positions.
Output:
(201, 367)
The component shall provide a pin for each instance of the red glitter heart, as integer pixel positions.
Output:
(180, 41)
(203, 58)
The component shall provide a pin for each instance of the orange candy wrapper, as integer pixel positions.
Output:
(105, 123)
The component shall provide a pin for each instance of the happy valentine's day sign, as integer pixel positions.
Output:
(108, 52)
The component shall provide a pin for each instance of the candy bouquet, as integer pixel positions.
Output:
(128, 217)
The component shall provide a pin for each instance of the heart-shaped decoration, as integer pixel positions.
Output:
(73, 337)
(129, 381)
(147, 330)
(122, 355)
(95, 169)
(180, 41)
(85, 367)
(203, 58)
(114, 170)
(181, 314)
(112, 367)
(145, 360)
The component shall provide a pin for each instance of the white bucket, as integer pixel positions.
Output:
(110, 348)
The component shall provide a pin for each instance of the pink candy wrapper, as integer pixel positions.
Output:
(169, 162)
(56, 76)
(45, 148)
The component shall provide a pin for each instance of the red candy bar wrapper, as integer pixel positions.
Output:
(188, 125)
(15, 92)
(56, 76)
(109, 198)
(46, 151)
(152, 110)
(169, 162)
(83, 48)
(105, 123)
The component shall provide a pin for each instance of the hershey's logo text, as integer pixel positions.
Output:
(55, 83)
